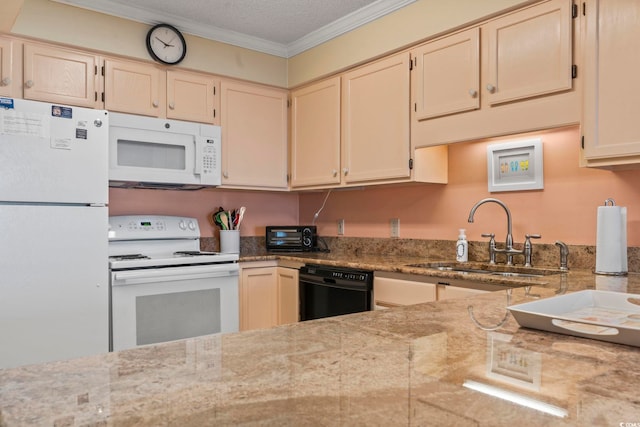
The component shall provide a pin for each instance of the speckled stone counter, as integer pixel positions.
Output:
(403, 366)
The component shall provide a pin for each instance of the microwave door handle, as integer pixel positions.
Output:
(198, 160)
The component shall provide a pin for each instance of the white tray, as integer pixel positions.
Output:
(601, 315)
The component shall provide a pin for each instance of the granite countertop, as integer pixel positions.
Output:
(403, 366)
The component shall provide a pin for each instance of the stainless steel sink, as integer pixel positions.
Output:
(488, 269)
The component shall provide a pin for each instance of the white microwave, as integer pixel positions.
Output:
(148, 152)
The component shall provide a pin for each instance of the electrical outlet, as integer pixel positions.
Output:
(340, 227)
(395, 227)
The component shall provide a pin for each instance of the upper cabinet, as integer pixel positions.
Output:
(446, 78)
(515, 73)
(529, 53)
(612, 64)
(375, 121)
(9, 78)
(254, 136)
(66, 76)
(353, 130)
(134, 87)
(315, 134)
(193, 97)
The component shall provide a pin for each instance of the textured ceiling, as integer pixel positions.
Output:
(279, 27)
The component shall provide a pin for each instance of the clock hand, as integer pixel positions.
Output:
(162, 41)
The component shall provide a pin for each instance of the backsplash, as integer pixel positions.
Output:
(581, 257)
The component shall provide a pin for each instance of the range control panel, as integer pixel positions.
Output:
(137, 227)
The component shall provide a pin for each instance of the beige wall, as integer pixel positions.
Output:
(418, 21)
(48, 20)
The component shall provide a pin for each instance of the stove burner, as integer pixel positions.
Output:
(127, 257)
(193, 253)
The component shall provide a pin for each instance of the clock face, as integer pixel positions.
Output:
(166, 44)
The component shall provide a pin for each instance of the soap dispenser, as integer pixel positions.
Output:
(462, 247)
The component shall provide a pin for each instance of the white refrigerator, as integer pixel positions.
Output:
(54, 283)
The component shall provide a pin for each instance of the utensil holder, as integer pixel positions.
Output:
(230, 241)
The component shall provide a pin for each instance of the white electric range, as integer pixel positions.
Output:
(163, 287)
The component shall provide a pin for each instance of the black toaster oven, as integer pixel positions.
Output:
(291, 238)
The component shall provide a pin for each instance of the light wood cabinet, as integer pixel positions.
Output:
(254, 136)
(288, 295)
(258, 298)
(446, 292)
(315, 134)
(393, 292)
(9, 78)
(134, 87)
(268, 295)
(525, 81)
(375, 121)
(66, 76)
(193, 97)
(529, 53)
(446, 79)
(612, 65)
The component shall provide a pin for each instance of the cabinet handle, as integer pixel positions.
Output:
(172, 106)
(345, 171)
(335, 173)
(155, 104)
(6, 81)
(491, 88)
(473, 93)
(29, 84)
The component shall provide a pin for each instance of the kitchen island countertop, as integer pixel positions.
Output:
(403, 366)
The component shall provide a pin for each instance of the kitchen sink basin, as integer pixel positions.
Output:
(488, 269)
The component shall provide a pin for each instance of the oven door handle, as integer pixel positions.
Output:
(137, 277)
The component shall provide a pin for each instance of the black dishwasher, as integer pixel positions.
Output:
(332, 291)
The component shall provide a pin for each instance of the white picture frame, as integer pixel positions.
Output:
(515, 165)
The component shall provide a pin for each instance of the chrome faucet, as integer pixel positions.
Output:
(509, 251)
(564, 255)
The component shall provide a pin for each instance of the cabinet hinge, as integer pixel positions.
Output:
(410, 64)
(574, 71)
(582, 141)
(102, 70)
(584, 8)
(102, 96)
(214, 91)
(214, 113)
(95, 71)
(288, 103)
(574, 10)
(95, 96)
(415, 107)
(410, 164)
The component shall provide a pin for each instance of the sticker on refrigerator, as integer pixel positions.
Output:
(61, 143)
(60, 111)
(17, 123)
(81, 133)
(6, 103)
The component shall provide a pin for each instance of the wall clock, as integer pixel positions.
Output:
(166, 44)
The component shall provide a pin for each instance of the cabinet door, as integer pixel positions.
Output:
(453, 292)
(8, 85)
(375, 121)
(446, 76)
(192, 97)
(254, 136)
(288, 299)
(258, 298)
(134, 87)
(612, 65)
(315, 134)
(529, 52)
(59, 75)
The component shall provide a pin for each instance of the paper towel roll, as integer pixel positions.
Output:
(611, 240)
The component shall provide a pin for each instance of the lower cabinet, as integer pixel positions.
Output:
(268, 295)
(397, 289)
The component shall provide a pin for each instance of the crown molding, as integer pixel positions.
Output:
(343, 25)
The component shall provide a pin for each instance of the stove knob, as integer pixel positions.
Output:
(192, 226)
(182, 225)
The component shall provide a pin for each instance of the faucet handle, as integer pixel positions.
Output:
(492, 247)
(564, 255)
(528, 248)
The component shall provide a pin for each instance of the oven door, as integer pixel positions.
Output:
(150, 306)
